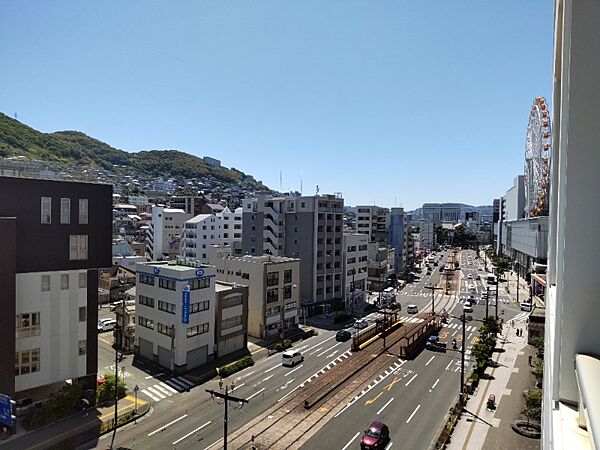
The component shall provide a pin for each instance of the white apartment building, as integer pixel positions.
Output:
(164, 234)
(273, 294)
(356, 251)
(138, 200)
(175, 314)
(231, 226)
(198, 234)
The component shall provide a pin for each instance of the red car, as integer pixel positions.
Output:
(376, 436)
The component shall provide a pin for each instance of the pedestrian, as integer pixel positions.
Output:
(530, 357)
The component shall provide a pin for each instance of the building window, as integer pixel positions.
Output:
(290, 306)
(147, 301)
(198, 329)
(272, 296)
(163, 329)
(83, 280)
(230, 323)
(146, 279)
(83, 211)
(166, 307)
(28, 324)
(245, 276)
(82, 313)
(65, 210)
(287, 292)
(82, 347)
(46, 210)
(166, 284)
(27, 361)
(79, 247)
(272, 278)
(231, 302)
(45, 283)
(199, 306)
(200, 283)
(287, 276)
(64, 281)
(146, 322)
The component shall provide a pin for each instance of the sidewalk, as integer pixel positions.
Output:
(78, 428)
(479, 428)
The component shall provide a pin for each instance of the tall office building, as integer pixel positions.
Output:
(54, 236)
(309, 228)
(373, 221)
(396, 237)
(163, 237)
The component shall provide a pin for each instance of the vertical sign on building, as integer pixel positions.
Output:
(185, 305)
(6, 417)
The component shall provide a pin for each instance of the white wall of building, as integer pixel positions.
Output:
(356, 251)
(60, 328)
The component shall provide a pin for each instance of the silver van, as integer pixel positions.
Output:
(106, 325)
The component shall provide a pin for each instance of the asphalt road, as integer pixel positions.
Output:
(414, 399)
(195, 420)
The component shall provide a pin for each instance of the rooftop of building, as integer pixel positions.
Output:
(262, 259)
(177, 265)
(199, 218)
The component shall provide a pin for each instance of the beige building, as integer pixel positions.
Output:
(273, 290)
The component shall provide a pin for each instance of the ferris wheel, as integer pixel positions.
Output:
(537, 160)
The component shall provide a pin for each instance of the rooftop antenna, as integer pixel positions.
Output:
(300, 184)
(317, 190)
(281, 181)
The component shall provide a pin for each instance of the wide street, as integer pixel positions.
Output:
(411, 399)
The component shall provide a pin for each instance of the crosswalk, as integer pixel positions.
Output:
(407, 319)
(167, 388)
(520, 317)
(468, 328)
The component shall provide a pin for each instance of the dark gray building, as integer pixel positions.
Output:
(54, 236)
(309, 228)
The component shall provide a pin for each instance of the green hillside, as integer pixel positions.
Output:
(73, 147)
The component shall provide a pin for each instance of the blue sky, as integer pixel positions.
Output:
(389, 102)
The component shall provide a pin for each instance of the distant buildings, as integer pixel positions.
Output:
(211, 161)
(356, 261)
(54, 236)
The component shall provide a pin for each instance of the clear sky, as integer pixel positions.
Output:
(389, 102)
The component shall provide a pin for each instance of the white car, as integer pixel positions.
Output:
(412, 309)
(470, 277)
(291, 358)
(467, 308)
(361, 324)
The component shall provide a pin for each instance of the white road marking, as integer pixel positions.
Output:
(384, 406)
(237, 386)
(190, 433)
(167, 425)
(469, 337)
(435, 384)
(320, 343)
(268, 378)
(157, 393)
(145, 391)
(414, 412)
(255, 394)
(285, 396)
(430, 359)
(272, 368)
(213, 444)
(389, 446)
(292, 371)
(185, 382)
(330, 348)
(410, 381)
(350, 441)
(163, 390)
(166, 386)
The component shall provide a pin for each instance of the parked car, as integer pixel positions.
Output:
(361, 323)
(343, 335)
(478, 277)
(377, 436)
(470, 277)
(291, 358)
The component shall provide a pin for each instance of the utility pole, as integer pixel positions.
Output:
(433, 289)
(497, 287)
(352, 293)
(227, 398)
(487, 302)
(518, 283)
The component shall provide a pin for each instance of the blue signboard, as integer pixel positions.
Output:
(156, 271)
(199, 272)
(5, 411)
(185, 306)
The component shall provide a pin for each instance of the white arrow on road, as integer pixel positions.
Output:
(331, 354)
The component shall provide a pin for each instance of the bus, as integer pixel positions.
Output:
(388, 295)
(491, 278)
